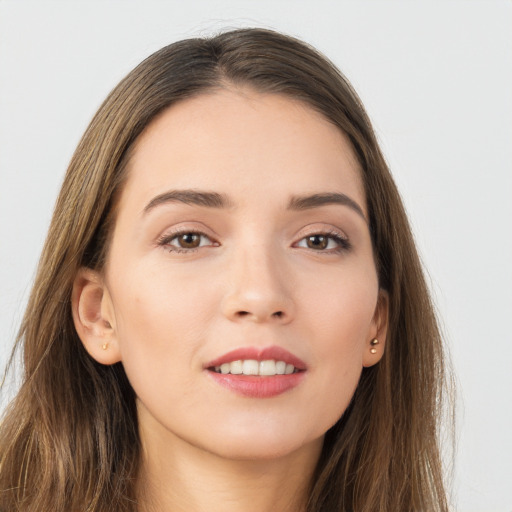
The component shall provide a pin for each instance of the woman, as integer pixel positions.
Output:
(229, 310)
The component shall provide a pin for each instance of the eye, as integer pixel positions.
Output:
(185, 241)
(324, 242)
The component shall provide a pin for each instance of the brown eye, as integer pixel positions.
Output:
(189, 240)
(317, 242)
(186, 241)
(328, 243)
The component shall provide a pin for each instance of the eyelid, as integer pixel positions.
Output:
(342, 240)
(168, 236)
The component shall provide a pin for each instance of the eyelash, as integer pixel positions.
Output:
(166, 240)
(343, 244)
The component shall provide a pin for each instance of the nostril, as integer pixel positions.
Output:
(277, 314)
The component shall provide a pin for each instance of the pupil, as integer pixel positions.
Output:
(317, 242)
(189, 240)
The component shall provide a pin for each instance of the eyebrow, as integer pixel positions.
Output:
(317, 200)
(193, 197)
(216, 200)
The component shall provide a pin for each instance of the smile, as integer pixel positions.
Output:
(256, 372)
(268, 368)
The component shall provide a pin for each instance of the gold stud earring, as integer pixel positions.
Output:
(104, 346)
(374, 342)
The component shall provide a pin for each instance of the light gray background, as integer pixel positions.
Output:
(436, 78)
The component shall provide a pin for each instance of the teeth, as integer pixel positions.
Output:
(289, 369)
(236, 368)
(280, 367)
(250, 367)
(268, 367)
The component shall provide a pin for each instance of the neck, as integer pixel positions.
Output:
(183, 478)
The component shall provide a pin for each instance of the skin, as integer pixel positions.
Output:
(255, 280)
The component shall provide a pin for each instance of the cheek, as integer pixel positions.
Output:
(160, 324)
(341, 308)
(342, 316)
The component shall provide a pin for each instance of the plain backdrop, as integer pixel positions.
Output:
(436, 78)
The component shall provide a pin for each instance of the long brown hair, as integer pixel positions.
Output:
(69, 440)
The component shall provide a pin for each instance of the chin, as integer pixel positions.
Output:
(262, 446)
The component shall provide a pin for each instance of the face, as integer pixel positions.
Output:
(241, 248)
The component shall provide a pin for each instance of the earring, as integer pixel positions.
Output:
(104, 346)
(374, 342)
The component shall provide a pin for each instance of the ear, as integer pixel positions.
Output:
(93, 316)
(374, 348)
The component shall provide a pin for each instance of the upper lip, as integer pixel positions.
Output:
(259, 354)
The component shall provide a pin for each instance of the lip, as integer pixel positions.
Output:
(259, 354)
(253, 386)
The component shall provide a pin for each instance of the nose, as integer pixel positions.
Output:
(258, 289)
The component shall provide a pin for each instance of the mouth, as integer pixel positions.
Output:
(257, 372)
(266, 368)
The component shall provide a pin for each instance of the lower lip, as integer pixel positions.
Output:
(258, 387)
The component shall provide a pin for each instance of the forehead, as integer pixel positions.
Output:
(242, 143)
